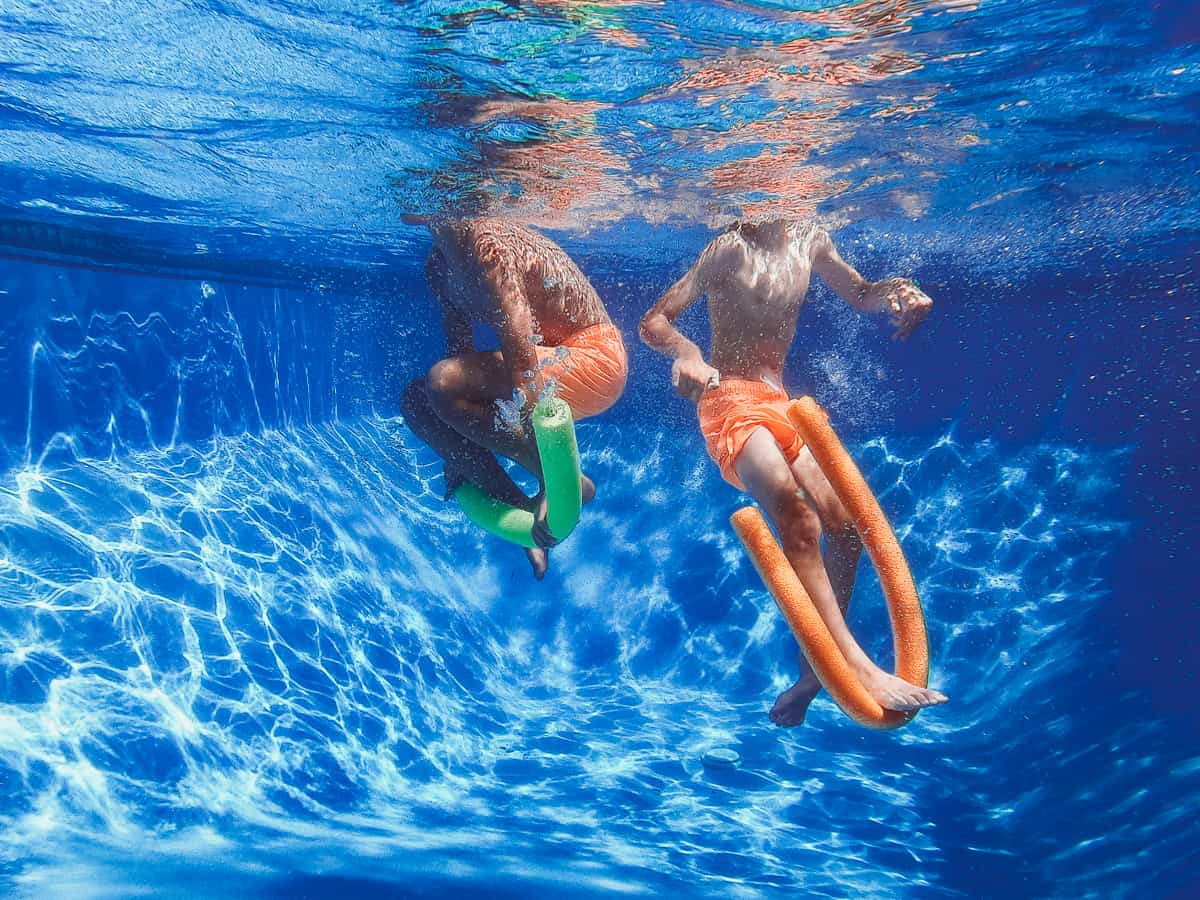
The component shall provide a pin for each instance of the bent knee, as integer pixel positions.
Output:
(799, 524)
(837, 522)
(835, 518)
(444, 382)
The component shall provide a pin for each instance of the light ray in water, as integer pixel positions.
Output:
(288, 642)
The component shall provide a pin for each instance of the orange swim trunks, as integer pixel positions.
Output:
(730, 412)
(590, 375)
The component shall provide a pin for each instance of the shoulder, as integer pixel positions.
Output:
(489, 241)
(722, 249)
(498, 243)
(812, 238)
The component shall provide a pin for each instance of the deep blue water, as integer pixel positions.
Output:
(245, 649)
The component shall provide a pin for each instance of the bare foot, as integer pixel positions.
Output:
(896, 693)
(792, 705)
(539, 559)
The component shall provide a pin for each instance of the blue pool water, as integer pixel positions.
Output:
(245, 648)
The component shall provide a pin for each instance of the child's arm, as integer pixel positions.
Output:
(455, 326)
(515, 328)
(690, 374)
(906, 303)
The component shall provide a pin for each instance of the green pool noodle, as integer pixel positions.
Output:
(554, 430)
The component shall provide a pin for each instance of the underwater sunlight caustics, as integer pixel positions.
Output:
(383, 379)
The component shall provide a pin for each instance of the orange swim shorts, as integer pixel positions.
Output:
(590, 376)
(730, 412)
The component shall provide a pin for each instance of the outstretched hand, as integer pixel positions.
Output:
(540, 533)
(906, 303)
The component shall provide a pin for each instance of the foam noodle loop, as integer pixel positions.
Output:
(904, 606)
(554, 430)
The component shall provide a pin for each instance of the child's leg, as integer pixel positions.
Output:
(464, 390)
(788, 504)
(843, 550)
(843, 546)
(465, 460)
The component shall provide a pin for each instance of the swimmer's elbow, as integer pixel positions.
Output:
(646, 327)
(650, 327)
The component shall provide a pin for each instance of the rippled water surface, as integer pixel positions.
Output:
(250, 121)
(245, 648)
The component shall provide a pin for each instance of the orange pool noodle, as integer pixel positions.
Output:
(904, 606)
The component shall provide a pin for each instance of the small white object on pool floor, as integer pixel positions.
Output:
(721, 757)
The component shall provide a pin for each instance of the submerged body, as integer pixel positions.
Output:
(555, 336)
(756, 278)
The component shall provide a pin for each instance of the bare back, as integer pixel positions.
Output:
(755, 292)
(484, 252)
